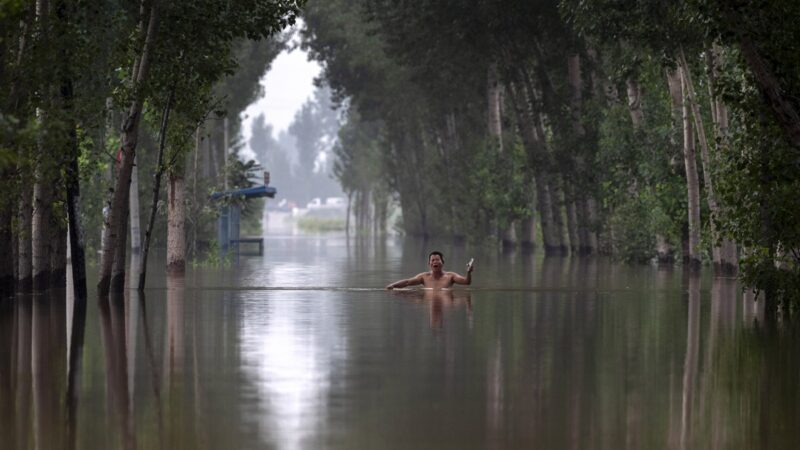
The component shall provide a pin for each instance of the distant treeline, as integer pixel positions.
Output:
(646, 130)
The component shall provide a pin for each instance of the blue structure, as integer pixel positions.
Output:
(230, 214)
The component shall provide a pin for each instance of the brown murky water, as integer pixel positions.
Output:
(302, 348)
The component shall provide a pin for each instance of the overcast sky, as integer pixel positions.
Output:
(287, 85)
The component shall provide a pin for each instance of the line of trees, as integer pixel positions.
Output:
(646, 130)
(86, 88)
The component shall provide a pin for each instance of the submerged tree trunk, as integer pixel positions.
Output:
(76, 247)
(25, 268)
(58, 255)
(582, 196)
(176, 222)
(508, 235)
(41, 220)
(112, 263)
(134, 207)
(728, 251)
(162, 139)
(6, 243)
(534, 142)
(692, 182)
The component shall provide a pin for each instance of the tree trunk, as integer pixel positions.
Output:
(493, 90)
(635, 101)
(728, 252)
(705, 157)
(528, 240)
(77, 254)
(41, 220)
(580, 194)
(58, 256)
(136, 234)
(6, 242)
(692, 182)
(176, 221)
(349, 212)
(162, 139)
(25, 268)
(556, 194)
(112, 263)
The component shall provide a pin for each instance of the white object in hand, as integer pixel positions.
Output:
(471, 260)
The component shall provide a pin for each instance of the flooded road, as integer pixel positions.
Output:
(302, 348)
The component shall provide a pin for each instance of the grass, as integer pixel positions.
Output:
(320, 224)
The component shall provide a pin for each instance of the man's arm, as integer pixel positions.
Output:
(407, 282)
(458, 279)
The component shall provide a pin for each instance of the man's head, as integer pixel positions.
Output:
(435, 260)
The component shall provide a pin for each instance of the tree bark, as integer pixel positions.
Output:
(728, 251)
(112, 264)
(25, 268)
(6, 242)
(176, 221)
(692, 182)
(76, 247)
(720, 264)
(133, 204)
(58, 255)
(493, 90)
(635, 101)
(41, 220)
(583, 204)
(162, 139)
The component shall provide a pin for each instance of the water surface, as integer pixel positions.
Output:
(302, 348)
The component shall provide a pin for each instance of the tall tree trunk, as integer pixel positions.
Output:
(76, 247)
(58, 255)
(494, 92)
(705, 157)
(225, 152)
(349, 212)
(493, 95)
(6, 242)
(558, 208)
(41, 220)
(112, 263)
(162, 139)
(136, 234)
(728, 252)
(531, 131)
(25, 211)
(692, 181)
(583, 204)
(176, 222)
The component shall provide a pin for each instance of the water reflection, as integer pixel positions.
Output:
(437, 301)
(595, 355)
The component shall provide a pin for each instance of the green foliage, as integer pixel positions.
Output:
(320, 224)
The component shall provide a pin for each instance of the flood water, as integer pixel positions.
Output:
(302, 348)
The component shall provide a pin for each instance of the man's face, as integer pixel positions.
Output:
(435, 262)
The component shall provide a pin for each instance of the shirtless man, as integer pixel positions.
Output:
(436, 278)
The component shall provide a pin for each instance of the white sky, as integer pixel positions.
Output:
(287, 85)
